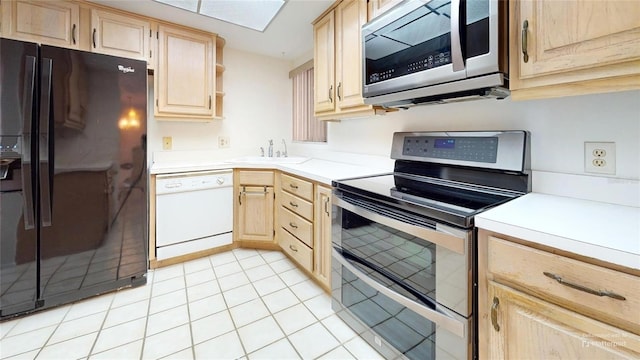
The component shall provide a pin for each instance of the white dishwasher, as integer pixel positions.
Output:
(194, 212)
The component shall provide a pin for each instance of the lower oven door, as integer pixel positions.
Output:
(404, 288)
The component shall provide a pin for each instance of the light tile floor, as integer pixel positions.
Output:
(241, 304)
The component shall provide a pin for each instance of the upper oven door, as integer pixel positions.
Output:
(428, 263)
(427, 42)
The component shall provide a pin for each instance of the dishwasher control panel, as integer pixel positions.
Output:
(192, 181)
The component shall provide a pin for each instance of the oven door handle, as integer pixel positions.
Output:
(439, 236)
(439, 316)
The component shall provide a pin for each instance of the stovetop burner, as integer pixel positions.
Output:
(473, 172)
(445, 201)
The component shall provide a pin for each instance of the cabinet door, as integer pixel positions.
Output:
(255, 213)
(185, 75)
(47, 22)
(322, 238)
(574, 41)
(380, 6)
(525, 327)
(120, 35)
(350, 16)
(323, 64)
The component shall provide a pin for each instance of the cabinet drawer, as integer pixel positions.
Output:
(255, 178)
(296, 225)
(296, 249)
(297, 205)
(300, 187)
(541, 273)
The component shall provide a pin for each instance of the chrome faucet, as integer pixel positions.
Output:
(270, 148)
(284, 153)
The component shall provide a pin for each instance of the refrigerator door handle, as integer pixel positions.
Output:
(44, 143)
(27, 123)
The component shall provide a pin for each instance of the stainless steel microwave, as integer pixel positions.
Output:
(433, 51)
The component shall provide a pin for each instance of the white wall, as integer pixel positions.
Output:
(559, 128)
(257, 102)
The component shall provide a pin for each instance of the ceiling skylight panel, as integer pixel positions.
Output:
(252, 14)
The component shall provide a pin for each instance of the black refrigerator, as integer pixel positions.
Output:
(73, 179)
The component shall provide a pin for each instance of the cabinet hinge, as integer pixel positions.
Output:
(157, 102)
(150, 33)
(157, 35)
(274, 232)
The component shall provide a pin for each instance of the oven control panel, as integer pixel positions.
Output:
(476, 149)
(501, 150)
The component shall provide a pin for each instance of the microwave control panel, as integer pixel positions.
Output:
(426, 62)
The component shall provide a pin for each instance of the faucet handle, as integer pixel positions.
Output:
(261, 151)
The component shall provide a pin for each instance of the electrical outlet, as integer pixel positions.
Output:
(223, 142)
(167, 143)
(600, 157)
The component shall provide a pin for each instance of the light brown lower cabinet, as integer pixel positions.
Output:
(322, 237)
(254, 201)
(547, 304)
(526, 327)
(303, 213)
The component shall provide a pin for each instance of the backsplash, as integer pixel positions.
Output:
(559, 128)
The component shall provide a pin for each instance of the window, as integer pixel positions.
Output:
(306, 127)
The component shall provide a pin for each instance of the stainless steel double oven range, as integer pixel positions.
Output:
(404, 244)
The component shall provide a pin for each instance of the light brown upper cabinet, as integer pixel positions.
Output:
(48, 22)
(219, 72)
(185, 75)
(120, 35)
(561, 48)
(323, 64)
(338, 62)
(377, 7)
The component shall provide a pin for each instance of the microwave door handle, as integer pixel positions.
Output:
(438, 316)
(456, 48)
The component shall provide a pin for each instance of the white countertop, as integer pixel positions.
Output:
(597, 230)
(322, 171)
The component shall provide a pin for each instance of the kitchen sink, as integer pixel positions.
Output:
(269, 160)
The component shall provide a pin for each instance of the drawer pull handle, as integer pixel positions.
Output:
(494, 314)
(293, 204)
(73, 34)
(293, 225)
(326, 207)
(293, 248)
(293, 186)
(562, 281)
(525, 54)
